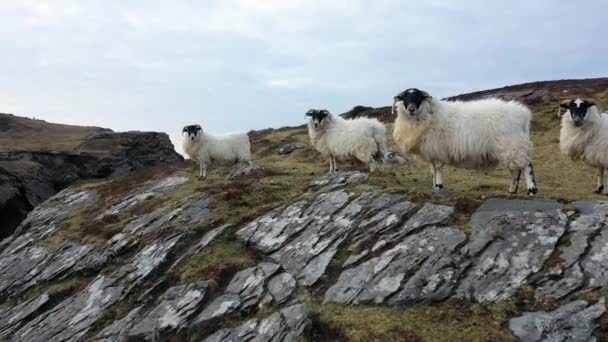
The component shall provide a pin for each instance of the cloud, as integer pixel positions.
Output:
(248, 64)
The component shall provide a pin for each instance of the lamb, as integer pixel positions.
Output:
(584, 136)
(205, 148)
(337, 138)
(474, 135)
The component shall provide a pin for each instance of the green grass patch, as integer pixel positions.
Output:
(219, 258)
(443, 322)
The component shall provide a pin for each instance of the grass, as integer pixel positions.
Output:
(443, 322)
(219, 258)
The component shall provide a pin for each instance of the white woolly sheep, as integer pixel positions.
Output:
(205, 148)
(474, 135)
(337, 138)
(584, 136)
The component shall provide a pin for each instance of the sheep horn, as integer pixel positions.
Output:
(563, 105)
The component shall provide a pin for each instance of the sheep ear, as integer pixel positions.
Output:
(591, 103)
(565, 104)
(185, 130)
(426, 95)
(309, 113)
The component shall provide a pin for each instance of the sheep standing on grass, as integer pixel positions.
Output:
(337, 138)
(584, 136)
(474, 135)
(205, 148)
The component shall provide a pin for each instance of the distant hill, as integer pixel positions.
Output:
(534, 94)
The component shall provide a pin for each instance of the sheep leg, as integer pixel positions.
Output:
(600, 180)
(331, 164)
(437, 176)
(515, 176)
(203, 171)
(335, 164)
(531, 180)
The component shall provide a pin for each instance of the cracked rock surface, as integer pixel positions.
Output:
(337, 244)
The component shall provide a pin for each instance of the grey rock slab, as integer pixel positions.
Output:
(128, 203)
(45, 219)
(287, 325)
(168, 184)
(118, 330)
(567, 275)
(511, 240)
(12, 317)
(176, 307)
(219, 307)
(387, 212)
(574, 321)
(332, 181)
(71, 319)
(281, 287)
(353, 259)
(199, 246)
(418, 269)
(149, 259)
(307, 255)
(248, 284)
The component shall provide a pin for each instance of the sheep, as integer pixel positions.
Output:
(584, 136)
(337, 138)
(205, 148)
(473, 135)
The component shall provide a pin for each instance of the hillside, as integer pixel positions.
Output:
(38, 159)
(285, 252)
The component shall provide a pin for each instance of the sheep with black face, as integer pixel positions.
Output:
(584, 136)
(336, 138)
(205, 148)
(474, 135)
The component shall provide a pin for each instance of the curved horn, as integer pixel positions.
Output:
(563, 105)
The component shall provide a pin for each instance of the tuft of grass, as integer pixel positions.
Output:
(441, 322)
(60, 288)
(216, 260)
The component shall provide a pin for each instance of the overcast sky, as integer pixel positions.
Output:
(237, 65)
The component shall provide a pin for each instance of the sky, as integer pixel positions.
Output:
(238, 65)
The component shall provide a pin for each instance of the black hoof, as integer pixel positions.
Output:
(438, 186)
(599, 190)
(532, 192)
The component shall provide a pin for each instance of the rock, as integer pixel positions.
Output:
(574, 322)
(332, 181)
(148, 260)
(32, 170)
(512, 239)
(199, 246)
(285, 325)
(422, 266)
(12, 318)
(307, 255)
(250, 171)
(24, 264)
(118, 329)
(245, 290)
(281, 287)
(71, 319)
(286, 149)
(176, 306)
(387, 212)
(219, 307)
(584, 249)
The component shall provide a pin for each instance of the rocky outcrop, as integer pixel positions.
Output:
(38, 159)
(337, 245)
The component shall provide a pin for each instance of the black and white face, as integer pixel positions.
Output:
(317, 116)
(192, 132)
(578, 110)
(410, 100)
